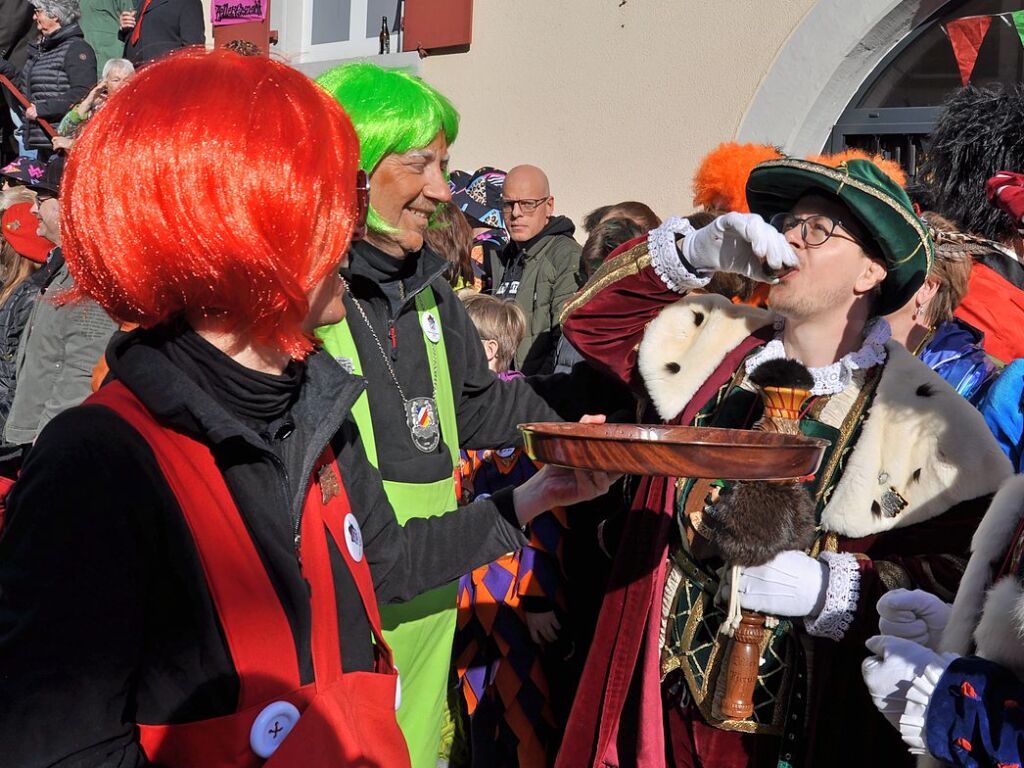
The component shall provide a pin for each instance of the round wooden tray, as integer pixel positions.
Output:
(655, 449)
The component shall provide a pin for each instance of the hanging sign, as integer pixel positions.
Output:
(237, 11)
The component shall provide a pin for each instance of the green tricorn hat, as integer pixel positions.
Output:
(877, 202)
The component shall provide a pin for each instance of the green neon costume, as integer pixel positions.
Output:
(420, 631)
(393, 113)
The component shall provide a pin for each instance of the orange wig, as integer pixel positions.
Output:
(890, 167)
(215, 184)
(721, 180)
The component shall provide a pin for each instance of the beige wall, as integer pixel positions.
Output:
(614, 101)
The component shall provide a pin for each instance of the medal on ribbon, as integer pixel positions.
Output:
(421, 416)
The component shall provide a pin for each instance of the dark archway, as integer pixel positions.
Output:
(897, 105)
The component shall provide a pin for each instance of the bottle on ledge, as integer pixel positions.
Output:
(385, 37)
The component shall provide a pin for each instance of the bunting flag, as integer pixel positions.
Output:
(1017, 18)
(966, 36)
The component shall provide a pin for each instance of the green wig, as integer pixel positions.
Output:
(392, 111)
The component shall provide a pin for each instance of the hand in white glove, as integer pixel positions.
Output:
(742, 243)
(913, 615)
(900, 678)
(790, 584)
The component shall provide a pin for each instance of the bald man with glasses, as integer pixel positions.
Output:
(540, 268)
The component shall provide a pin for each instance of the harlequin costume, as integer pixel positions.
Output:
(430, 396)
(192, 560)
(498, 666)
(889, 512)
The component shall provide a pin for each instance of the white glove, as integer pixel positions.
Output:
(742, 243)
(914, 615)
(901, 677)
(790, 584)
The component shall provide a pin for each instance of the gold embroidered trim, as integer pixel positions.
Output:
(846, 430)
(624, 265)
(892, 575)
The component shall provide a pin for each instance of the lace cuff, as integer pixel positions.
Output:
(661, 245)
(915, 712)
(841, 596)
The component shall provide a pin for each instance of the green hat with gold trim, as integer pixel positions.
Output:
(876, 201)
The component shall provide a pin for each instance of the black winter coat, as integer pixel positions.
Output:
(59, 73)
(14, 314)
(168, 25)
(105, 614)
(487, 410)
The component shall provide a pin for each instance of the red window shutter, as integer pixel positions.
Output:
(434, 24)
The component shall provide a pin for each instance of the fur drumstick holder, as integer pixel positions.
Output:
(753, 522)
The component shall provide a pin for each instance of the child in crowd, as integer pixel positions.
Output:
(507, 621)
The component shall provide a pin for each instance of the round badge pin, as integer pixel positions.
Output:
(353, 537)
(431, 328)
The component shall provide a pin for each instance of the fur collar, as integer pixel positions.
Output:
(687, 341)
(982, 619)
(920, 440)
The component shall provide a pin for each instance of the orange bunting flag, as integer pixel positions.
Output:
(966, 36)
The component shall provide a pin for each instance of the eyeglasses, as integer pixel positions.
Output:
(362, 204)
(814, 230)
(526, 206)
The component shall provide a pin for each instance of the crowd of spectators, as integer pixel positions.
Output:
(516, 263)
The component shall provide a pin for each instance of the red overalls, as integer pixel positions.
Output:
(347, 719)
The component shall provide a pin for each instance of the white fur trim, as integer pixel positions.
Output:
(999, 636)
(923, 441)
(988, 548)
(676, 337)
(920, 438)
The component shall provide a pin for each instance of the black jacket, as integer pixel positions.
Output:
(60, 72)
(14, 314)
(105, 615)
(487, 410)
(17, 30)
(168, 25)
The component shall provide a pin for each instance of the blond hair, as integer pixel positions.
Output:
(499, 321)
(951, 268)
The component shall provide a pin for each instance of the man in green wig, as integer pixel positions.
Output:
(430, 391)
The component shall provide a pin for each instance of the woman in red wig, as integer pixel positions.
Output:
(192, 559)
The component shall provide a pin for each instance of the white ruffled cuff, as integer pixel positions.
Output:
(661, 245)
(915, 712)
(841, 596)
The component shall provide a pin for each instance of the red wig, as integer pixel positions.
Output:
(212, 183)
(720, 182)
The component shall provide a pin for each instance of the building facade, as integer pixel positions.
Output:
(620, 99)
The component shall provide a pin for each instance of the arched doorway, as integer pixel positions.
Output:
(848, 61)
(896, 107)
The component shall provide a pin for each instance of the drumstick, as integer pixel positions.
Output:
(26, 104)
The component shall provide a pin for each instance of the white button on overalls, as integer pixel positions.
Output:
(353, 537)
(272, 724)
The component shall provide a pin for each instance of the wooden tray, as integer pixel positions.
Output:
(655, 449)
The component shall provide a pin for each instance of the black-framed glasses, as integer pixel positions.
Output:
(526, 206)
(814, 230)
(362, 204)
